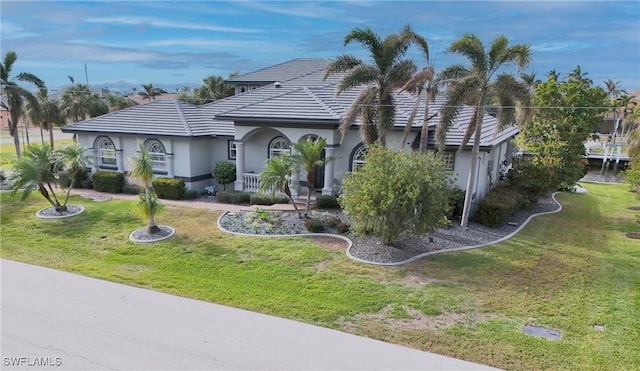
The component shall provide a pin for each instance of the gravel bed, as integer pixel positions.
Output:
(371, 249)
(51, 213)
(141, 235)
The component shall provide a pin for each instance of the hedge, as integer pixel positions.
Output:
(108, 181)
(266, 199)
(233, 197)
(495, 209)
(327, 202)
(169, 188)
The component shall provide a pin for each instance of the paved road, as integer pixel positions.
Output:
(83, 323)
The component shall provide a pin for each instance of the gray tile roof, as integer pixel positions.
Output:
(161, 117)
(301, 97)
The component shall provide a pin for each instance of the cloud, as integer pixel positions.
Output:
(159, 23)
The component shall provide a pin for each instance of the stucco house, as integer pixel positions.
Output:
(273, 108)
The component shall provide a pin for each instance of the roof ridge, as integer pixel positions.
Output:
(258, 101)
(183, 118)
(321, 101)
(276, 65)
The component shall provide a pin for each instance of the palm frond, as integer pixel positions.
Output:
(359, 108)
(342, 63)
(471, 47)
(359, 75)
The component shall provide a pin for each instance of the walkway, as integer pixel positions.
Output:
(82, 323)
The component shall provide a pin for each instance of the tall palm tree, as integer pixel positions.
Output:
(16, 95)
(149, 92)
(389, 70)
(309, 156)
(613, 89)
(474, 87)
(78, 102)
(275, 177)
(142, 169)
(553, 75)
(47, 115)
(578, 75)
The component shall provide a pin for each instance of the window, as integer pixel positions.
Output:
(279, 146)
(357, 157)
(448, 158)
(157, 153)
(231, 146)
(106, 152)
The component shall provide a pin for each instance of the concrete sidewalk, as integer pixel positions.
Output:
(81, 323)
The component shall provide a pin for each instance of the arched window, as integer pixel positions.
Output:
(106, 152)
(357, 157)
(157, 153)
(279, 146)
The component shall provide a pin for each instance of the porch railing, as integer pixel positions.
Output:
(252, 183)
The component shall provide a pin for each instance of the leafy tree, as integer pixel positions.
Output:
(78, 102)
(275, 177)
(631, 120)
(16, 95)
(142, 169)
(555, 135)
(473, 86)
(150, 92)
(224, 173)
(577, 75)
(213, 88)
(396, 192)
(309, 156)
(116, 102)
(40, 168)
(375, 104)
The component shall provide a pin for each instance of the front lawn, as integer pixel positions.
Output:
(566, 271)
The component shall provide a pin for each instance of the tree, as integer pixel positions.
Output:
(553, 75)
(613, 89)
(473, 86)
(275, 177)
(224, 173)
(375, 104)
(142, 169)
(16, 95)
(396, 192)
(40, 168)
(78, 102)
(47, 115)
(149, 92)
(577, 75)
(555, 136)
(213, 88)
(116, 102)
(309, 156)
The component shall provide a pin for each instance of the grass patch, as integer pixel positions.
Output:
(565, 271)
(8, 150)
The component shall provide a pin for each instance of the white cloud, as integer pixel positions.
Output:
(147, 21)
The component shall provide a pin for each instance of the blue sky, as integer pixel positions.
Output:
(177, 43)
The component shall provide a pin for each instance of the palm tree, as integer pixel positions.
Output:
(631, 120)
(38, 169)
(47, 115)
(74, 163)
(150, 92)
(16, 95)
(79, 103)
(390, 70)
(577, 75)
(275, 177)
(613, 89)
(474, 88)
(142, 169)
(553, 75)
(116, 102)
(309, 156)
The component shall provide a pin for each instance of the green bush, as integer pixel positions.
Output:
(267, 199)
(169, 188)
(314, 225)
(224, 173)
(632, 177)
(190, 194)
(342, 228)
(233, 197)
(529, 178)
(396, 192)
(456, 203)
(65, 181)
(327, 202)
(497, 206)
(108, 181)
(131, 189)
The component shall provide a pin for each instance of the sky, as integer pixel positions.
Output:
(124, 44)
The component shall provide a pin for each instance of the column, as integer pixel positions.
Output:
(169, 160)
(328, 172)
(96, 160)
(119, 161)
(238, 185)
(294, 183)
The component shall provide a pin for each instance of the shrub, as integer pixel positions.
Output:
(495, 209)
(64, 181)
(342, 228)
(327, 202)
(396, 192)
(267, 199)
(190, 194)
(632, 177)
(224, 173)
(314, 225)
(169, 188)
(108, 181)
(131, 189)
(233, 197)
(456, 203)
(529, 178)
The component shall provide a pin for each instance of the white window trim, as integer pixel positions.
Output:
(158, 158)
(284, 146)
(107, 152)
(232, 150)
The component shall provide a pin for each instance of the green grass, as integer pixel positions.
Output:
(8, 150)
(565, 271)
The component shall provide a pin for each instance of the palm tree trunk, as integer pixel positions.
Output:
(424, 131)
(50, 126)
(16, 137)
(287, 191)
(475, 154)
(41, 135)
(152, 228)
(310, 181)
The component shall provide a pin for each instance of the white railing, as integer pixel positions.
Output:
(251, 182)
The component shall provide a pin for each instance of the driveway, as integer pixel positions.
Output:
(57, 318)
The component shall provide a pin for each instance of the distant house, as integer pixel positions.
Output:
(273, 108)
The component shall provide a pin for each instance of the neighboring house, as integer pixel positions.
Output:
(291, 103)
